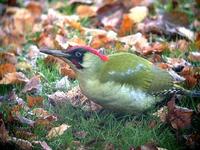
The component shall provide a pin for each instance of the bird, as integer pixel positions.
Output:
(121, 82)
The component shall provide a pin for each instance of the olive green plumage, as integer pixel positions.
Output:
(124, 83)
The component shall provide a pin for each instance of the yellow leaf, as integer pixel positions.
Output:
(56, 131)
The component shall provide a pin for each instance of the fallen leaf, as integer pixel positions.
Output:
(35, 101)
(40, 112)
(35, 8)
(126, 26)
(7, 57)
(56, 131)
(61, 42)
(46, 121)
(63, 84)
(25, 135)
(194, 56)
(3, 132)
(24, 120)
(138, 13)
(43, 144)
(176, 18)
(154, 47)
(6, 68)
(178, 117)
(58, 98)
(86, 11)
(67, 71)
(33, 85)
(14, 78)
(110, 15)
(23, 144)
(162, 114)
(134, 39)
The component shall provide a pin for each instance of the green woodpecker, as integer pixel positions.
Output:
(122, 82)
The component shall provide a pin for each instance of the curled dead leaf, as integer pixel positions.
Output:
(178, 117)
(14, 78)
(86, 11)
(35, 101)
(33, 85)
(6, 68)
(56, 131)
(3, 132)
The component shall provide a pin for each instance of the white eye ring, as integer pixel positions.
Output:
(78, 54)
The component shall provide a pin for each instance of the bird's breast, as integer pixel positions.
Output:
(117, 97)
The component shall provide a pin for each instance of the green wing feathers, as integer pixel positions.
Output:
(137, 72)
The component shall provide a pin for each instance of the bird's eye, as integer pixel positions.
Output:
(78, 54)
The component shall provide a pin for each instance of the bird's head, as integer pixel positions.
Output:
(75, 55)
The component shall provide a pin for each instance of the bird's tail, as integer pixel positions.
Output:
(182, 91)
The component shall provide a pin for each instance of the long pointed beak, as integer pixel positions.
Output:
(57, 53)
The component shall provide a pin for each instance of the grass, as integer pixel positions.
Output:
(101, 128)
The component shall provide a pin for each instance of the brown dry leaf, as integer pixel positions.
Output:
(134, 39)
(23, 144)
(22, 21)
(155, 47)
(33, 85)
(176, 18)
(100, 41)
(190, 78)
(6, 68)
(3, 132)
(46, 121)
(126, 26)
(178, 117)
(190, 81)
(35, 8)
(35, 101)
(25, 135)
(66, 71)
(14, 78)
(138, 13)
(58, 98)
(43, 144)
(61, 42)
(110, 15)
(162, 113)
(197, 40)
(40, 112)
(86, 11)
(64, 68)
(193, 140)
(56, 131)
(76, 41)
(194, 56)
(7, 57)
(46, 40)
(75, 25)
